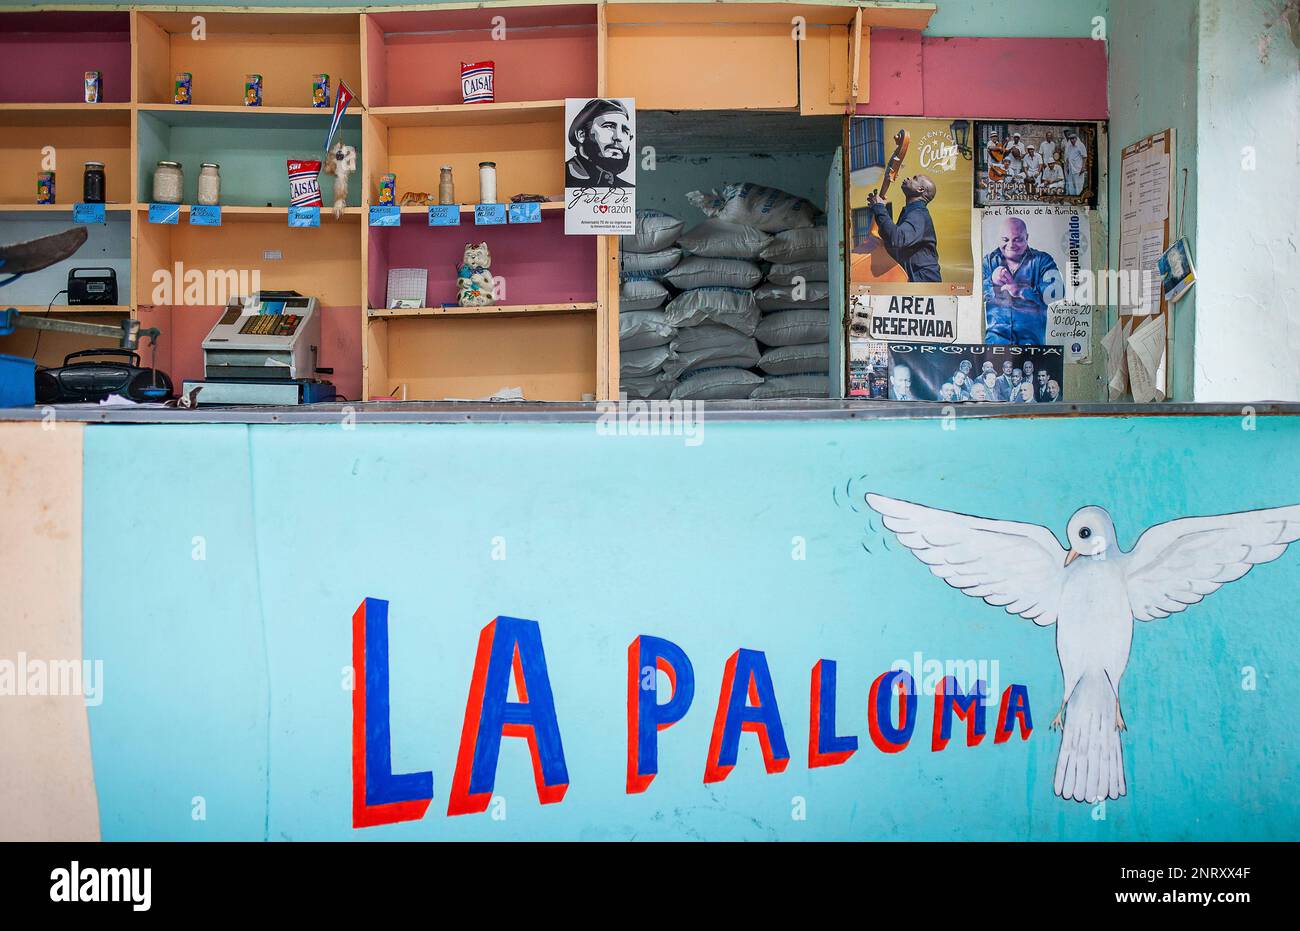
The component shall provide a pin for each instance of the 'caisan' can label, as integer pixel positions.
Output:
(476, 81)
(304, 188)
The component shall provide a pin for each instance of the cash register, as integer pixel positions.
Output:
(263, 350)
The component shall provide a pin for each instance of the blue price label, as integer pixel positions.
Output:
(304, 217)
(87, 213)
(386, 215)
(445, 215)
(526, 213)
(489, 214)
(205, 215)
(164, 213)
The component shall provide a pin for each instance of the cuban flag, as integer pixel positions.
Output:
(342, 98)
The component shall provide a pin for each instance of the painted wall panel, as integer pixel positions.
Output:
(603, 538)
(47, 784)
(986, 77)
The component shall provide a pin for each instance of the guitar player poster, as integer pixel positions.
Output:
(923, 181)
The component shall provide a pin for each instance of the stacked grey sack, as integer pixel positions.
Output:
(715, 314)
(643, 329)
(795, 327)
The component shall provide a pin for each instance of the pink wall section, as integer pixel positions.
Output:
(986, 78)
(51, 67)
(539, 263)
(180, 349)
(546, 65)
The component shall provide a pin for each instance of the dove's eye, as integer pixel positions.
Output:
(1085, 533)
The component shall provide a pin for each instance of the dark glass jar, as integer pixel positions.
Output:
(92, 184)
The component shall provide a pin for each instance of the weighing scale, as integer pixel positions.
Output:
(263, 350)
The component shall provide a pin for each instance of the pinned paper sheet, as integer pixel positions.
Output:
(1116, 362)
(1146, 361)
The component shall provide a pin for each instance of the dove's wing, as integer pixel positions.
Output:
(1008, 564)
(1176, 564)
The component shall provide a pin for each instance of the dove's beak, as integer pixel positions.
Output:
(1071, 556)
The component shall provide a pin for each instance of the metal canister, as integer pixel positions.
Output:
(183, 88)
(92, 183)
(45, 187)
(253, 90)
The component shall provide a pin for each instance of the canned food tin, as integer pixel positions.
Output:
(94, 86)
(253, 90)
(183, 87)
(45, 187)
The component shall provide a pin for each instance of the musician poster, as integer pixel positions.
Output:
(1036, 163)
(600, 166)
(979, 373)
(1036, 276)
(910, 191)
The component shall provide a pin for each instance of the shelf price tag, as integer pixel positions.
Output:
(164, 213)
(205, 215)
(444, 215)
(386, 215)
(489, 214)
(304, 217)
(526, 213)
(87, 213)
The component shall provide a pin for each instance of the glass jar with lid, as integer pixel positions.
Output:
(168, 183)
(92, 184)
(209, 184)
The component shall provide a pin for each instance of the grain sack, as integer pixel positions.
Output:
(769, 297)
(718, 239)
(809, 359)
(731, 307)
(679, 362)
(765, 208)
(808, 271)
(642, 362)
(641, 294)
(717, 384)
(710, 336)
(655, 230)
(800, 245)
(792, 386)
(695, 271)
(648, 388)
(643, 329)
(794, 327)
(648, 264)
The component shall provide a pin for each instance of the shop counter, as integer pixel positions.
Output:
(522, 622)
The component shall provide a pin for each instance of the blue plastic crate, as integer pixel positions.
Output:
(17, 381)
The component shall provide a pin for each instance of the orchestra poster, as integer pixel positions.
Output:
(1035, 163)
(979, 373)
(918, 240)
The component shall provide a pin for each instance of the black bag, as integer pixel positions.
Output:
(82, 382)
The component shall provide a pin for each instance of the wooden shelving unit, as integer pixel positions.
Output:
(555, 334)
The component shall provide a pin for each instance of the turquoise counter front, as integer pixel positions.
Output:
(438, 631)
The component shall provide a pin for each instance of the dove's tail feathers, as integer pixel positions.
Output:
(1090, 766)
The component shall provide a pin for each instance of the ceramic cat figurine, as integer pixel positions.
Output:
(473, 280)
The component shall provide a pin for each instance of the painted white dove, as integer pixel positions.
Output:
(1092, 593)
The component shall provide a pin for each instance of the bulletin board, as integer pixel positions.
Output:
(1140, 345)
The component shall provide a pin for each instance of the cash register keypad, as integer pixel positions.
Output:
(270, 325)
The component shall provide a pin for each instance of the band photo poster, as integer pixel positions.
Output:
(600, 166)
(1035, 163)
(1035, 261)
(910, 191)
(976, 372)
